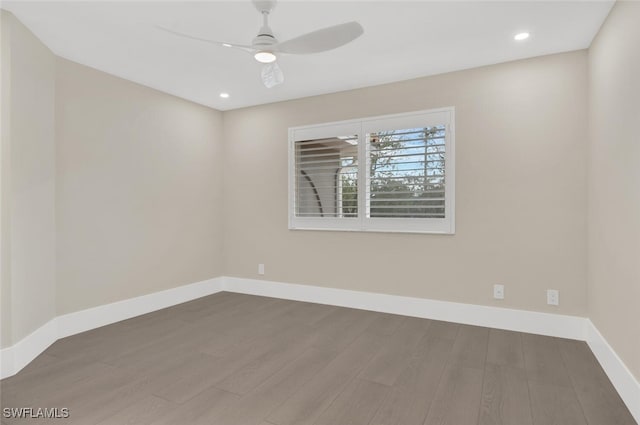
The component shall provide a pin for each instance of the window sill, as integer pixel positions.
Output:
(407, 231)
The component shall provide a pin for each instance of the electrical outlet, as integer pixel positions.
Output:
(553, 297)
(260, 268)
(498, 292)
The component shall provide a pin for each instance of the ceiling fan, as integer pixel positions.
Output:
(266, 48)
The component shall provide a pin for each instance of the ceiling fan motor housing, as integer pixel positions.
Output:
(264, 41)
(265, 37)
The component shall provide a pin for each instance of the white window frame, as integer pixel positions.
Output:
(363, 223)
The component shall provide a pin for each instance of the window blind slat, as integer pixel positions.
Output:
(394, 144)
(414, 182)
(417, 193)
(412, 199)
(421, 146)
(318, 168)
(400, 132)
(349, 140)
(417, 154)
(408, 215)
(310, 156)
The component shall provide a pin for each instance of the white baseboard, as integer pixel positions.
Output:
(84, 320)
(621, 377)
(14, 358)
(563, 326)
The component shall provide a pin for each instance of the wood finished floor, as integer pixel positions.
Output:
(232, 359)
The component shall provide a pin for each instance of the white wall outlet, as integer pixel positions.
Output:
(553, 297)
(498, 292)
(260, 268)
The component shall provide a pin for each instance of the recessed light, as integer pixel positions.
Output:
(227, 45)
(521, 36)
(224, 95)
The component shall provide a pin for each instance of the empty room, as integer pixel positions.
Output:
(302, 212)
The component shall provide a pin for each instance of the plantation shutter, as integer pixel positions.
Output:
(326, 173)
(407, 173)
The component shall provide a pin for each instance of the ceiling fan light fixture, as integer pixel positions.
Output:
(264, 56)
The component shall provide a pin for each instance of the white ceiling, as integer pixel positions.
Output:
(402, 40)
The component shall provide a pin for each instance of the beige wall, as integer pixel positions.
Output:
(138, 189)
(5, 223)
(520, 191)
(28, 182)
(614, 182)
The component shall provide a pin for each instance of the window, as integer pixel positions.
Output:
(392, 173)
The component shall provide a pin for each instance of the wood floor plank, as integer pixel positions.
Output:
(249, 330)
(555, 405)
(391, 359)
(505, 348)
(228, 342)
(282, 351)
(211, 301)
(231, 308)
(341, 328)
(94, 400)
(200, 410)
(259, 403)
(188, 380)
(308, 313)
(184, 339)
(470, 347)
(444, 330)
(110, 344)
(410, 398)
(307, 404)
(143, 413)
(600, 401)
(208, 306)
(242, 318)
(254, 361)
(356, 405)
(543, 360)
(386, 324)
(457, 401)
(505, 397)
(41, 387)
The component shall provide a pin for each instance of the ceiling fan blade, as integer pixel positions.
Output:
(272, 75)
(322, 40)
(206, 40)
